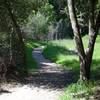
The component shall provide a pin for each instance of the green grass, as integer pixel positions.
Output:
(80, 91)
(31, 63)
(63, 52)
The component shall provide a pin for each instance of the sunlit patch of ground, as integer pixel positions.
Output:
(27, 92)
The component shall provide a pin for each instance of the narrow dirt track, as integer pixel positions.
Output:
(45, 84)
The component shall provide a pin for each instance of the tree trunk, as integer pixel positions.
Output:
(19, 33)
(92, 38)
(93, 31)
(10, 49)
(84, 57)
(85, 69)
(78, 39)
(76, 29)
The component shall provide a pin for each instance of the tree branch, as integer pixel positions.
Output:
(76, 29)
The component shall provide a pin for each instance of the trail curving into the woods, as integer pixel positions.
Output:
(47, 83)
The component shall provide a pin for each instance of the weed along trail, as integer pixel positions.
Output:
(47, 83)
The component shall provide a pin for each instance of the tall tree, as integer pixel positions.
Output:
(94, 25)
(13, 13)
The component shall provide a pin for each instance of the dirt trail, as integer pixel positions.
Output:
(45, 84)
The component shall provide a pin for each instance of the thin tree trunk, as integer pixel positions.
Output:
(78, 39)
(19, 33)
(10, 49)
(75, 27)
(93, 31)
(85, 58)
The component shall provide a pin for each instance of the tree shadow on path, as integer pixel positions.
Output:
(49, 74)
(56, 80)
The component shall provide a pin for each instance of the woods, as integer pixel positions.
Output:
(66, 32)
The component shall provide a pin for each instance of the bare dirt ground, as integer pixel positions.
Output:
(47, 83)
(26, 92)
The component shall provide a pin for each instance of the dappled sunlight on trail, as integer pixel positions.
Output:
(47, 83)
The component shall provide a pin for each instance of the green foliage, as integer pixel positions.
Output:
(4, 38)
(37, 24)
(48, 11)
(20, 8)
(39, 21)
(36, 4)
(63, 52)
(30, 62)
(59, 6)
(79, 91)
(4, 44)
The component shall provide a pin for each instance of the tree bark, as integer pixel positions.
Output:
(78, 39)
(84, 57)
(93, 31)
